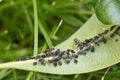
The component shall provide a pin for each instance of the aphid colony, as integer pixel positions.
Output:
(57, 57)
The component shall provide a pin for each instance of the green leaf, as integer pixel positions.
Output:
(105, 55)
(108, 11)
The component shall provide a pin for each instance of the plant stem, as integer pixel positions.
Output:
(35, 28)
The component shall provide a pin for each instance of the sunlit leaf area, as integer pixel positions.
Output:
(57, 21)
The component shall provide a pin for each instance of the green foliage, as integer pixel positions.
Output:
(16, 33)
(108, 11)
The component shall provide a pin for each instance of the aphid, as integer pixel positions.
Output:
(43, 56)
(96, 37)
(75, 55)
(31, 57)
(87, 40)
(106, 31)
(48, 54)
(34, 63)
(38, 56)
(54, 64)
(61, 54)
(92, 49)
(87, 48)
(55, 59)
(85, 44)
(43, 62)
(59, 63)
(57, 52)
(75, 61)
(48, 50)
(116, 40)
(111, 35)
(65, 57)
(72, 51)
(91, 40)
(112, 27)
(50, 61)
(104, 40)
(67, 61)
(68, 51)
(40, 59)
(76, 41)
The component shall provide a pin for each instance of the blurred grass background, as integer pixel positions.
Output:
(16, 34)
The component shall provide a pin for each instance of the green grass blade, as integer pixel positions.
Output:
(47, 38)
(35, 28)
(54, 31)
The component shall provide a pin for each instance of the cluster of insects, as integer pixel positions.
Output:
(57, 57)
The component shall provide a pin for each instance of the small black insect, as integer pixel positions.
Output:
(67, 61)
(72, 51)
(61, 53)
(55, 59)
(43, 56)
(50, 61)
(59, 63)
(112, 27)
(43, 63)
(34, 63)
(92, 49)
(75, 61)
(106, 31)
(103, 40)
(111, 35)
(40, 59)
(54, 64)
(116, 40)
(38, 56)
(75, 55)
(68, 51)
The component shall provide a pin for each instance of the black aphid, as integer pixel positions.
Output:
(112, 27)
(38, 56)
(34, 63)
(48, 50)
(67, 61)
(96, 37)
(61, 53)
(104, 40)
(43, 56)
(87, 40)
(75, 55)
(55, 59)
(40, 59)
(87, 48)
(92, 49)
(106, 31)
(59, 63)
(50, 61)
(54, 63)
(116, 40)
(76, 41)
(57, 52)
(111, 35)
(48, 54)
(75, 61)
(72, 51)
(65, 57)
(85, 44)
(68, 51)
(43, 62)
